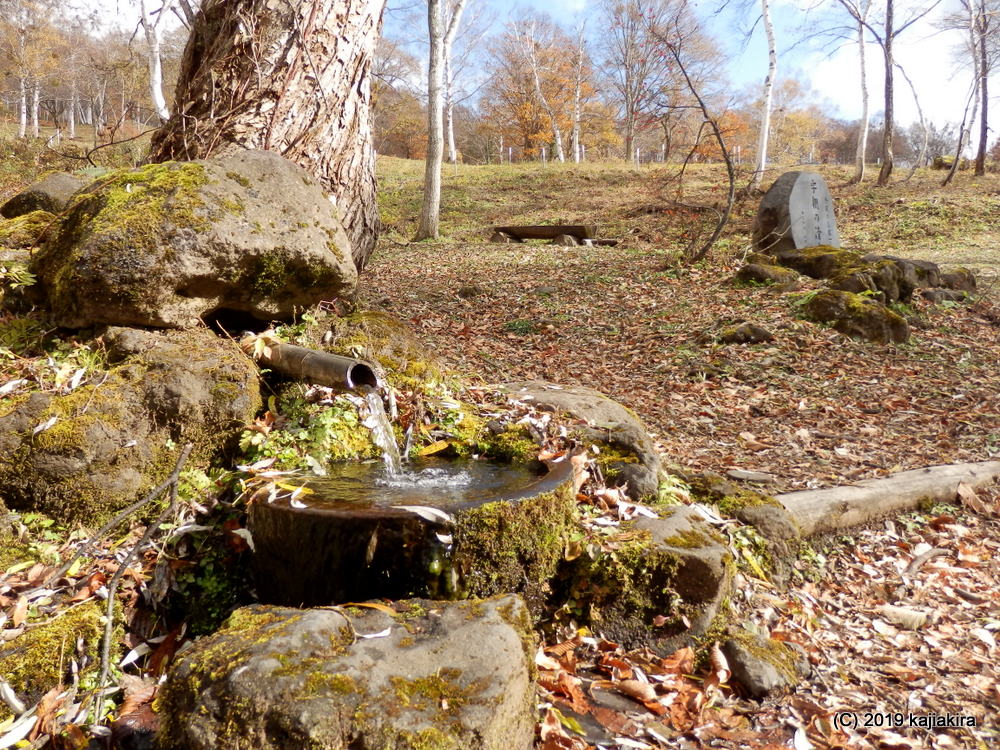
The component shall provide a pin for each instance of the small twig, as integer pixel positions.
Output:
(919, 560)
(109, 623)
(971, 597)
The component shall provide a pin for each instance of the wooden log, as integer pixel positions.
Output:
(549, 231)
(818, 511)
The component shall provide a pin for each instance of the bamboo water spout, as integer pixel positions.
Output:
(331, 370)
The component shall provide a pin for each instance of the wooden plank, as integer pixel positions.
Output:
(550, 231)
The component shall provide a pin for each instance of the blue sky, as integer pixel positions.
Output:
(927, 55)
(829, 69)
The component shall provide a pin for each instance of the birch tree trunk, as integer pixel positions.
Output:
(765, 112)
(529, 48)
(450, 32)
(153, 29)
(71, 115)
(449, 110)
(577, 93)
(862, 150)
(35, 95)
(430, 209)
(22, 115)
(885, 173)
(290, 76)
(983, 21)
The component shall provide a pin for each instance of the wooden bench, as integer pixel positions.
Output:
(549, 232)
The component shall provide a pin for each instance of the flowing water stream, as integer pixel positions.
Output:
(382, 434)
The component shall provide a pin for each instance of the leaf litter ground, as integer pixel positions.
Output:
(812, 408)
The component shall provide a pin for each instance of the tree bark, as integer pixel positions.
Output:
(430, 210)
(290, 76)
(982, 24)
(35, 95)
(153, 29)
(765, 112)
(862, 150)
(22, 114)
(887, 131)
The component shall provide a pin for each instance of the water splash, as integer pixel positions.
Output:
(382, 434)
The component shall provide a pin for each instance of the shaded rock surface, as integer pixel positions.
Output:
(768, 273)
(745, 333)
(764, 666)
(959, 279)
(167, 245)
(628, 456)
(937, 296)
(857, 316)
(448, 676)
(677, 569)
(51, 193)
(90, 452)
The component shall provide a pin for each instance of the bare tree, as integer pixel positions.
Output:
(530, 40)
(430, 209)
(765, 108)
(152, 22)
(578, 80)
(290, 77)
(859, 14)
(636, 75)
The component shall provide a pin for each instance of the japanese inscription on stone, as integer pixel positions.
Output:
(810, 212)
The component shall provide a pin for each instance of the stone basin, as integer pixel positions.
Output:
(448, 530)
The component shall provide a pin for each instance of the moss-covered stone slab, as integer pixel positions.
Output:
(25, 231)
(856, 316)
(83, 455)
(434, 676)
(915, 273)
(821, 261)
(627, 455)
(660, 588)
(41, 657)
(50, 194)
(170, 245)
(768, 273)
(326, 551)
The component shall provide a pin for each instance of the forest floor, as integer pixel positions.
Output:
(812, 408)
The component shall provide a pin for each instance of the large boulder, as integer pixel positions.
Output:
(661, 586)
(447, 676)
(87, 453)
(627, 454)
(51, 194)
(169, 245)
(856, 316)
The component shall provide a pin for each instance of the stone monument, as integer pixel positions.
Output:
(796, 212)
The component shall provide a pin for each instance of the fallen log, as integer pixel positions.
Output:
(817, 511)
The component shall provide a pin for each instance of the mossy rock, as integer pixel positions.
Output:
(170, 245)
(82, 456)
(745, 333)
(856, 316)
(760, 273)
(382, 339)
(764, 666)
(626, 456)
(41, 657)
(674, 570)
(957, 279)
(50, 194)
(822, 261)
(442, 676)
(25, 231)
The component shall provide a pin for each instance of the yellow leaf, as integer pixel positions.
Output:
(435, 447)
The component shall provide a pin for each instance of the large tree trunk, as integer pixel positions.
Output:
(290, 76)
(22, 112)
